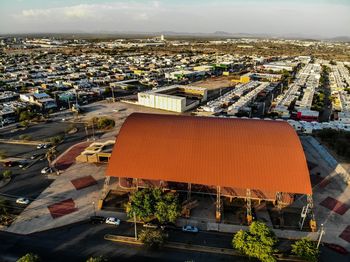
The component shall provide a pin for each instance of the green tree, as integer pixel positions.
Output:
(7, 173)
(167, 209)
(306, 249)
(153, 238)
(24, 123)
(105, 123)
(30, 257)
(149, 203)
(257, 242)
(96, 259)
(51, 154)
(3, 206)
(26, 115)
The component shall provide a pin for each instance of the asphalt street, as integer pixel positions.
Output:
(80, 241)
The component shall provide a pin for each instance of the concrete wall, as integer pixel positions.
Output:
(165, 102)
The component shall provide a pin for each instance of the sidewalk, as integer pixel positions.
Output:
(67, 158)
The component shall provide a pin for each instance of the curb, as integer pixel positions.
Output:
(21, 142)
(123, 239)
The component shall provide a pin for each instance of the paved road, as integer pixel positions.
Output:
(30, 182)
(78, 242)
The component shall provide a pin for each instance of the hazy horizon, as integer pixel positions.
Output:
(271, 17)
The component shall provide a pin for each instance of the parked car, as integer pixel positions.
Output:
(22, 201)
(46, 145)
(113, 221)
(40, 146)
(46, 170)
(97, 219)
(34, 156)
(22, 163)
(189, 228)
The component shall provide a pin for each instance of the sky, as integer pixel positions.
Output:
(325, 18)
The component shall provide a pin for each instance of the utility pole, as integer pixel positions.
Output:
(322, 232)
(112, 88)
(86, 132)
(76, 98)
(135, 225)
(93, 130)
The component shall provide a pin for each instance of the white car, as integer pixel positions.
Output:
(46, 170)
(40, 146)
(22, 201)
(113, 221)
(189, 228)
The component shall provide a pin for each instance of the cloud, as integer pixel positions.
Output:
(78, 12)
(138, 11)
(34, 13)
(184, 16)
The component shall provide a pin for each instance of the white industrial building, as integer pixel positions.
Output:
(174, 98)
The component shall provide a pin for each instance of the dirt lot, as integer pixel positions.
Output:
(215, 83)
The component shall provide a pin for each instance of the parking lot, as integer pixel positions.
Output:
(28, 181)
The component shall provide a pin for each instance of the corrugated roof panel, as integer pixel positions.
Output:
(255, 154)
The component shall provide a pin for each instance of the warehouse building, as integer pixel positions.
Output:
(253, 160)
(174, 98)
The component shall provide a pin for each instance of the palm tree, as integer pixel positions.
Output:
(51, 155)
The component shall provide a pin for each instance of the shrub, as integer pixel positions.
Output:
(25, 137)
(153, 238)
(306, 249)
(7, 173)
(2, 154)
(56, 139)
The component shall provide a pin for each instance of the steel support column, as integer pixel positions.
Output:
(218, 204)
(313, 224)
(279, 207)
(189, 186)
(249, 207)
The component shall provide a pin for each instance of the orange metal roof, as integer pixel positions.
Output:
(240, 153)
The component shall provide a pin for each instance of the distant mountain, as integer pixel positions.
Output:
(340, 39)
(214, 35)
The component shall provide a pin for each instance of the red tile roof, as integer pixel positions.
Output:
(239, 153)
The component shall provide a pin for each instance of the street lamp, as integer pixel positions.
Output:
(322, 232)
(93, 205)
(135, 225)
